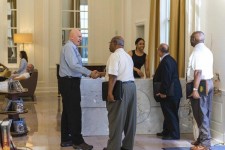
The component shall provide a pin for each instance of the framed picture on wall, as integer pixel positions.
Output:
(12, 55)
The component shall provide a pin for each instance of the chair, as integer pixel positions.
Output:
(30, 84)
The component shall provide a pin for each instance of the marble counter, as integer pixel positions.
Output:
(149, 114)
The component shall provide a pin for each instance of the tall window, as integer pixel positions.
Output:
(75, 15)
(164, 21)
(12, 29)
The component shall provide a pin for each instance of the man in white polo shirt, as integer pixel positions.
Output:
(121, 113)
(200, 67)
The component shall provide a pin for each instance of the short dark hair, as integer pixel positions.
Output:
(118, 40)
(138, 39)
(200, 36)
(164, 48)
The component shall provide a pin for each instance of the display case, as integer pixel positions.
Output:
(13, 107)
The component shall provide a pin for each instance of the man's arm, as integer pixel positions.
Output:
(197, 79)
(166, 78)
(102, 74)
(112, 81)
(94, 74)
(72, 60)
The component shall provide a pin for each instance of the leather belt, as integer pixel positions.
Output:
(70, 77)
(125, 82)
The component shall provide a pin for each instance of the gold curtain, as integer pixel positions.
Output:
(154, 34)
(177, 33)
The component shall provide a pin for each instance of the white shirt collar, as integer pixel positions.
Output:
(161, 58)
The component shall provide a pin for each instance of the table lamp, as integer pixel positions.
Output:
(22, 38)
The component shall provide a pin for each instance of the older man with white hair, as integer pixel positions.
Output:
(200, 67)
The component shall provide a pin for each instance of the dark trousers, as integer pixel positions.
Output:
(3, 79)
(202, 110)
(170, 109)
(71, 121)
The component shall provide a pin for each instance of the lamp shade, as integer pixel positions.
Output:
(23, 38)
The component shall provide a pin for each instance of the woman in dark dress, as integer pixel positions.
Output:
(140, 58)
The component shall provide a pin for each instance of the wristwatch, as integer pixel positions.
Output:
(195, 89)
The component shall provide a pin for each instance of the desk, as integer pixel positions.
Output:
(95, 66)
(149, 113)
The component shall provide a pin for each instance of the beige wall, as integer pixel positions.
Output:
(110, 18)
(101, 29)
(135, 13)
(213, 23)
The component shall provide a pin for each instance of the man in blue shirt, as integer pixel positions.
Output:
(70, 72)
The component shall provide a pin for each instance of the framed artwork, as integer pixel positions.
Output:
(12, 55)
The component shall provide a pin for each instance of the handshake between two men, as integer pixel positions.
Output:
(96, 74)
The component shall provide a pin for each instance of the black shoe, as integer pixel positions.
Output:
(104, 148)
(162, 134)
(169, 138)
(83, 146)
(159, 134)
(66, 144)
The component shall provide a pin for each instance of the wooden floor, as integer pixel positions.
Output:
(43, 120)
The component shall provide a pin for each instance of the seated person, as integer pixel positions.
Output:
(23, 63)
(25, 75)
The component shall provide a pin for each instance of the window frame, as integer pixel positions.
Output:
(10, 43)
(83, 48)
(164, 21)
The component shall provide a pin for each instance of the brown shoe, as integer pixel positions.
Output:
(195, 143)
(83, 146)
(199, 147)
